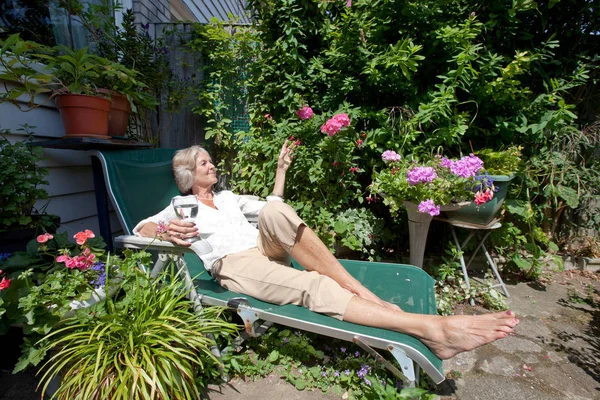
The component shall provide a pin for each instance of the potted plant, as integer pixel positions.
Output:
(21, 187)
(501, 167)
(69, 77)
(126, 93)
(427, 188)
(49, 280)
(149, 343)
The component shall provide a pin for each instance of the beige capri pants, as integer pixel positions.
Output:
(264, 272)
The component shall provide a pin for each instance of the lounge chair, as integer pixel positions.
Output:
(140, 183)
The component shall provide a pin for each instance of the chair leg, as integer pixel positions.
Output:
(462, 261)
(493, 266)
(409, 372)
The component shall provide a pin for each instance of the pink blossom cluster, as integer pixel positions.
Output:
(82, 237)
(429, 207)
(44, 238)
(335, 124)
(421, 175)
(81, 262)
(466, 167)
(4, 283)
(305, 113)
(390, 156)
(483, 197)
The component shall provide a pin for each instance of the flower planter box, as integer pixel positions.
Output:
(485, 213)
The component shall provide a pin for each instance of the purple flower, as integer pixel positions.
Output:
(323, 373)
(368, 382)
(343, 349)
(165, 50)
(285, 340)
(364, 370)
(390, 155)
(347, 372)
(146, 26)
(357, 354)
(446, 163)
(467, 167)
(429, 207)
(336, 373)
(421, 174)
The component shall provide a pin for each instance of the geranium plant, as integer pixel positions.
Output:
(432, 183)
(45, 283)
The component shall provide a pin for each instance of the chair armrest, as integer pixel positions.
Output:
(200, 247)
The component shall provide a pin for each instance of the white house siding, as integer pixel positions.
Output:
(204, 10)
(71, 193)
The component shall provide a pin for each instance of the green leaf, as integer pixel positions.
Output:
(570, 196)
(300, 384)
(273, 356)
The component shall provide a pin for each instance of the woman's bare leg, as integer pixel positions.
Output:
(312, 253)
(445, 336)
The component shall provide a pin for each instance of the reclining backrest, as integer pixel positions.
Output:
(141, 182)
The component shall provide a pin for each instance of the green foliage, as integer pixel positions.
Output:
(224, 52)
(451, 288)
(149, 343)
(309, 361)
(20, 179)
(359, 230)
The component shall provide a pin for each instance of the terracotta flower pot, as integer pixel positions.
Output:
(118, 117)
(83, 115)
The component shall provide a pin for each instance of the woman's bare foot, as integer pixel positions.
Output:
(448, 336)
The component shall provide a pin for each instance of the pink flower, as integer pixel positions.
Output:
(161, 228)
(62, 258)
(342, 119)
(305, 113)
(331, 127)
(268, 117)
(429, 207)
(390, 155)
(4, 283)
(349, 3)
(335, 124)
(44, 238)
(483, 197)
(81, 237)
(359, 143)
(354, 169)
(421, 175)
(297, 143)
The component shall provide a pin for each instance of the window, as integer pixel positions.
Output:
(50, 22)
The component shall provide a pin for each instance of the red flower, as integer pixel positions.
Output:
(335, 163)
(44, 238)
(354, 169)
(358, 143)
(81, 237)
(297, 143)
(4, 283)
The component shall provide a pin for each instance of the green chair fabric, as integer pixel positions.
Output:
(140, 183)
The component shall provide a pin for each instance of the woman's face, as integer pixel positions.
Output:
(205, 175)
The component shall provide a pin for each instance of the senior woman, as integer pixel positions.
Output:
(255, 262)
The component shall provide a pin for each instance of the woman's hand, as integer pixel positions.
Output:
(179, 230)
(285, 156)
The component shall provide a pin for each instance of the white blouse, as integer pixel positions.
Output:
(226, 229)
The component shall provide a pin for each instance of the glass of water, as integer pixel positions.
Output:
(186, 209)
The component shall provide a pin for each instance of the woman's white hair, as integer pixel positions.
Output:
(184, 166)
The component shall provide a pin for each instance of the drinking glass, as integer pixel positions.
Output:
(186, 209)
